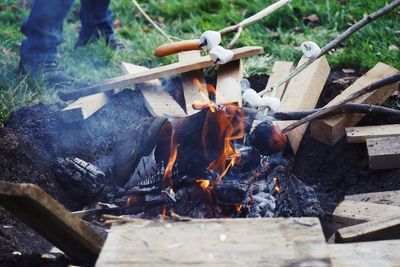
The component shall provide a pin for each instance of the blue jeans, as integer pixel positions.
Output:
(44, 27)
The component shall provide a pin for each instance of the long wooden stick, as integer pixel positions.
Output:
(346, 108)
(338, 40)
(372, 87)
(251, 20)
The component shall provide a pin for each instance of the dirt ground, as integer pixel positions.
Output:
(34, 136)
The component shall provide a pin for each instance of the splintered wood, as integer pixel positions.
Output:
(228, 83)
(51, 220)
(194, 84)
(384, 153)
(302, 93)
(158, 102)
(218, 242)
(331, 130)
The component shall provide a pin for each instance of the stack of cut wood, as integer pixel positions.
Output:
(373, 217)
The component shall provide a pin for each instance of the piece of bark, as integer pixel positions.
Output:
(51, 220)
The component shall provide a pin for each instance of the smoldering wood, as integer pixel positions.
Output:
(136, 141)
(51, 220)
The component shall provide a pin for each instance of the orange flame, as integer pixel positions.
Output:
(171, 161)
(204, 184)
(277, 188)
(238, 208)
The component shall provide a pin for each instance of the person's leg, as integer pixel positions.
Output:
(44, 31)
(97, 20)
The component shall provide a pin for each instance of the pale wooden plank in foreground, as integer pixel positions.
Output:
(386, 197)
(361, 133)
(155, 73)
(158, 102)
(218, 242)
(302, 93)
(51, 220)
(279, 70)
(194, 84)
(228, 83)
(384, 153)
(331, 130)
(370, 231)
(353, 212)
(366, 254)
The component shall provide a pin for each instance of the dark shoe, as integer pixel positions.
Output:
(51, 74)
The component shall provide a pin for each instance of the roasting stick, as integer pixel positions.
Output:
(361, 23)
(186, 45)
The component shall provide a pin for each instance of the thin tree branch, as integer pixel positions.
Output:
(370, 88)
(338, 40)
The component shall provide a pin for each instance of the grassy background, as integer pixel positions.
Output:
(280, 35)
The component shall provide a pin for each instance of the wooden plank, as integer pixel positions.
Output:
(217, 242)
(366, 254)
(228, 83)
(193, 91)
(86, 106)
(51, 220)
(384, 153)
(353, 212)
(158, 102)
(279, 70)
(331, 130)
(370, 231)
(386, 197)
(302, 93)
(360, 134)
(155, 73)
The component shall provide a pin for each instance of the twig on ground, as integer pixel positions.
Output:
(354, 28)
(370, 88)
(169, 38)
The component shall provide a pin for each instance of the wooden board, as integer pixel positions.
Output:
(360, 134)
(279, 70)
(384, 152)
(155, 73)
(158, 102)
(366, 254)
(331, 130)
(194, 84)
(302, 93)
(217, 242)
(228, 83)
(51, 220)
(353, 212)
(386, 197)
(86, 106)
(370, 231)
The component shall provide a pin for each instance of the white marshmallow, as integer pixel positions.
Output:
(221, 54)
(212, 38)
(273, 103)
(310, 49)
(251, 97)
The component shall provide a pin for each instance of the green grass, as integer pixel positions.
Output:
(188, 19)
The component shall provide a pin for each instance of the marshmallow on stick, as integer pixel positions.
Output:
(210, 39)
(310, 49)
(221, 55)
